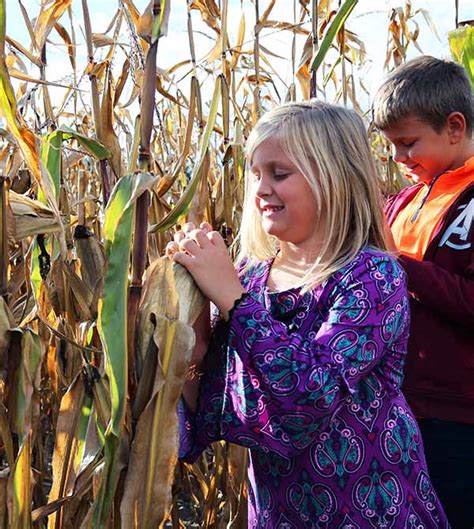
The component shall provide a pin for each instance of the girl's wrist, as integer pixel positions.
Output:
(227, 304)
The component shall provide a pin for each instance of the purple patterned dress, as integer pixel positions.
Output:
(311, 385)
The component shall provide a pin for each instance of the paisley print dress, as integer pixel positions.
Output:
(310, 383)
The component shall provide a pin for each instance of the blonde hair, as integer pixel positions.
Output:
(346, 184)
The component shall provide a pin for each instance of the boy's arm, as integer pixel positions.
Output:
(450, 294)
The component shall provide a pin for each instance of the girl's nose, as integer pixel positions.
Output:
(263, 187)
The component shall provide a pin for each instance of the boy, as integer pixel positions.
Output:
(425, 109)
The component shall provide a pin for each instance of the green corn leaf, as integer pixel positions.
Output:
(51, 151)
(182, 206)
(25, 138)
(333, 29)
(112, 324)
(30, 352)
(461, 42)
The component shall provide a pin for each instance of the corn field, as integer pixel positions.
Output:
(95, 323)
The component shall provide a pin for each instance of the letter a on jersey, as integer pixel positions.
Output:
(459, 229)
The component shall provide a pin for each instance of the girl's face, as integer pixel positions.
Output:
(284, 199)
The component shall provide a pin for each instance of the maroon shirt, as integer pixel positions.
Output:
(439, 372)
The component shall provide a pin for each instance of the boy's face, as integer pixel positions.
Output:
(423, 151)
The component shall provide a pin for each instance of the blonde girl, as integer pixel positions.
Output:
(304, 364)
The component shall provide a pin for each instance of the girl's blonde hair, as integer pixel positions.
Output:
(345, 184)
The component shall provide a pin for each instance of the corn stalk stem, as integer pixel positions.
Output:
(314, 31)
(191, 41)
(48, 109)
(256, 55)
(4, 259)
(104, 175)
(140, 239)
(223, 35)
(342, 52)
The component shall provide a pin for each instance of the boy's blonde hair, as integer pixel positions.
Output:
(428, 88)
(346, 184)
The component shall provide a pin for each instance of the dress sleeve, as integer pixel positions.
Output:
(280, 386)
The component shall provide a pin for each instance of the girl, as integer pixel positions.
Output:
(305, 361)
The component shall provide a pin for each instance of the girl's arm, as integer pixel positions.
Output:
(202, 329)
(279, 387)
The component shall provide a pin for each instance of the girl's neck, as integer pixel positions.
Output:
(290, 266)
(299, 257)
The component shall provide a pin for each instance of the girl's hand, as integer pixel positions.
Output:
(173, 246)
(204, 254)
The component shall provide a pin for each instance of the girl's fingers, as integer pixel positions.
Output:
(188, 227)
(189, 245)
(179, 236)
(200, 237)
(216, 238)
(182, 258)
(205, 227)
(183, 231)
(171, 248)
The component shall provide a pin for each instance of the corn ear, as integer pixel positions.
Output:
(170, 303)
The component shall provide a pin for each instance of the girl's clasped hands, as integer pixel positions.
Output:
(203, 252)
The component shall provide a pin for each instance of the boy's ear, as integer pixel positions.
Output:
(456, 127)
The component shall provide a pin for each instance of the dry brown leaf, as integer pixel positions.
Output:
(31, 217)
(109, 136)
(101, 39)
(30, 56)
(71, 48)
(170, 304)
(47, 18)
(210, 13)
(145, 22)
(121, 81)
(64, 464)
(276, 24)
(6, 323)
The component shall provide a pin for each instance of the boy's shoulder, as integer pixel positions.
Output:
(397, 201)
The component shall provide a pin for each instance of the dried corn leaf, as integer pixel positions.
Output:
(276, 24)
(47, 19)
(210, 13)
(71, 47)
(70, 437)
(109, 136)
(184, 201)
(121, 81)
(101, 39)
(237, 49)
(170, 304)
(30, 352)
(154, 24)
(6, 323)
(18, 74)
(31, 217)
(25, 138)
(33, 58)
